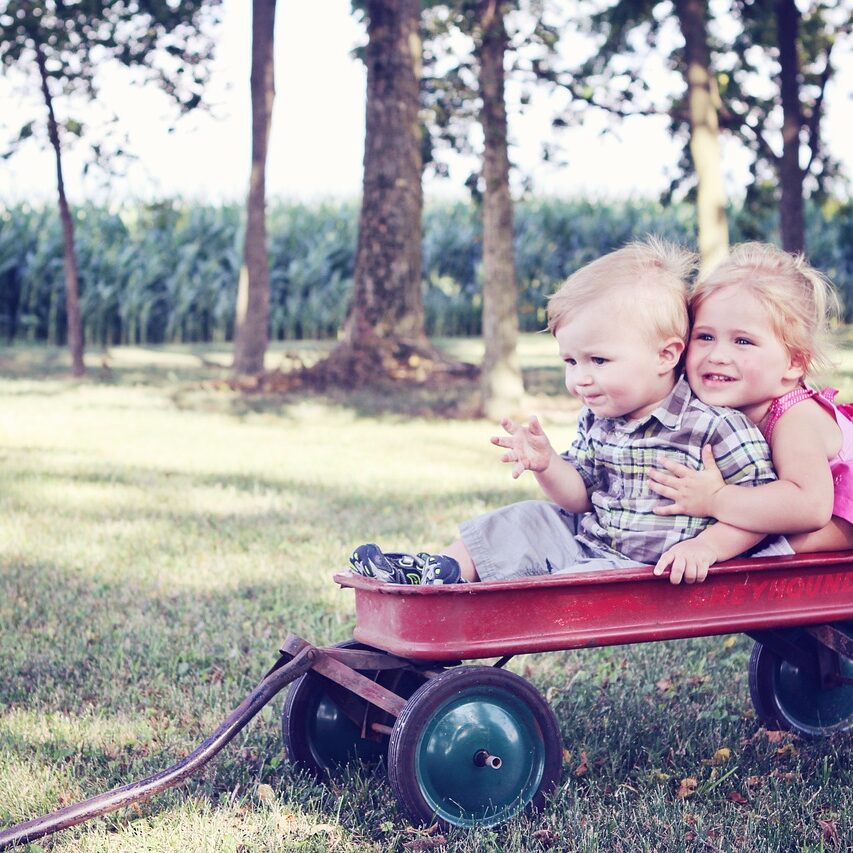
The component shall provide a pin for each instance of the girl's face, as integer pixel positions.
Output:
(735, 358)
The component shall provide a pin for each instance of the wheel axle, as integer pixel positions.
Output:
(482, 758)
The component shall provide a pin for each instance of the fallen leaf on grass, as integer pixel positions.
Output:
(737, 797)
(567, 756)
(664, 684)
(789, 776)
(421, 831)
(829, 830)
(775, 736)
(546, 837)
(729, 642)
(266, 793)
(583, 768)
(787, 751)
(286, 824)
(686, 787)
(425, 843)
(722, 755)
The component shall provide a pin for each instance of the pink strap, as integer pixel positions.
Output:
(781, 405)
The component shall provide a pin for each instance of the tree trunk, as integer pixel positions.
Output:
(69, 260)
(386, 301)
(384, 336)
(251, 334)
(704, 100)
(501, 381)
(790, 174)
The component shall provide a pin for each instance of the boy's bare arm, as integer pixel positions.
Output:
(690, 560)
(562, 484)
(529, 449)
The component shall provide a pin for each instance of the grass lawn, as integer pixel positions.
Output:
(160, 535)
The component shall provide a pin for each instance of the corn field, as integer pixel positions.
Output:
(167, 272)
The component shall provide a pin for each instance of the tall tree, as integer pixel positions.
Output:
(793, 45)
(501, 381)
(386, 301)
(251, 334)
(614, 80)
(791, 218)
(384, 335)
(465, 86)
(703, 101)
(64, 46)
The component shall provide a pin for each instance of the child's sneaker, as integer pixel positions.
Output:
(429, 569)
(438, 569)
(369, 560)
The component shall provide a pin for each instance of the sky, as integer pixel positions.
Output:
(316, 144)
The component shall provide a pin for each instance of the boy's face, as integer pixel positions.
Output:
(613, 366)
(735, 357)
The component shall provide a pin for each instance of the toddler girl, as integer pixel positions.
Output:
(759, 321)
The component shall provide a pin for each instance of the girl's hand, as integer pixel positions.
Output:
(691, 492)
(528, 448)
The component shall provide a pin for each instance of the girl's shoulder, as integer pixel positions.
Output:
(807, 414)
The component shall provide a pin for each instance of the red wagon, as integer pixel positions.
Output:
(474, 745)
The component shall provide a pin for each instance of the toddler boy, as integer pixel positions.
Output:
(621, 324)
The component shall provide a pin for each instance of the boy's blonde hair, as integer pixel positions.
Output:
(648, 278)
(801, 301)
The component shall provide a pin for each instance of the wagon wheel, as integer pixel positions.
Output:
(321, 735)
(474, 746)
(788, 697)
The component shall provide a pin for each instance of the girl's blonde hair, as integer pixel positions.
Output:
(800, 300)
(647, 278)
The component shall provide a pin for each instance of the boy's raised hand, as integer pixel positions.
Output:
(691, 492)
(528, 448)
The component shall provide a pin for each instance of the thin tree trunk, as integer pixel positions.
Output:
(501, 381)
(704, 100)
(387, 302)
(790, 174)
(253, 292)
(69, 259)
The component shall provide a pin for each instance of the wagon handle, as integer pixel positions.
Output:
(278, 678)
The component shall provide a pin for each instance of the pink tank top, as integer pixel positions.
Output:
(842, 465)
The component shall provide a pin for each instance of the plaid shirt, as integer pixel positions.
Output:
(612, 456)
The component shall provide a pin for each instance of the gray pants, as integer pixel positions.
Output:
(535, 538)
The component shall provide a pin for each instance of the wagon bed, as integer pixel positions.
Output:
(604, 607)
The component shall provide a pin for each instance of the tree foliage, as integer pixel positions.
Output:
(166, 42)
(745, 57)
(61, 48)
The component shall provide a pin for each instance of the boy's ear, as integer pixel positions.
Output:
(669, 353)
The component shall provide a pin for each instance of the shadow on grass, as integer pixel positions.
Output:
(195, 381)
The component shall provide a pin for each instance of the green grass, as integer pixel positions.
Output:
(159, 537)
